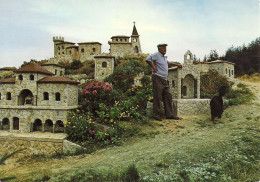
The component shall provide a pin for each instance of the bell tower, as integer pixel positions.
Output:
(135, 41)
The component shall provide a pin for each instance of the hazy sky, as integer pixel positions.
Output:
(27, 26)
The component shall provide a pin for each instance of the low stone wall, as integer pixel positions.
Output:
(190, 106)
(37, 146)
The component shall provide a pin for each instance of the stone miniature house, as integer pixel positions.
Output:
(185, 87)
(185, 82)
(35, 100)
(224, 68)
(104, 66)
(56, 69)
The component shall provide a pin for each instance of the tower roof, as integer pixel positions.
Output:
(134, 32)
(33, 68)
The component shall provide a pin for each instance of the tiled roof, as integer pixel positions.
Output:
(7, 80)
(57, 79)
(212, 62)
(33, 68)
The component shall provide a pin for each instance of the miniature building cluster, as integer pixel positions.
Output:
(36, 100)
(39, 97)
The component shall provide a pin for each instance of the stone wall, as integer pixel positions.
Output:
(56, 70)
(190, 106)
(121, 49)
(68, 94)
(38, 146)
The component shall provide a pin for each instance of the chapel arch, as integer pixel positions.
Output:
(6, 124)
(188, 87)
(37, 125)
(16, 123)
(59, 127)
(48, 125)
(136, 50)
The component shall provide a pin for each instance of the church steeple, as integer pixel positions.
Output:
(134, 32)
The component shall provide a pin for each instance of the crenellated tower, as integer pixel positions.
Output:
(57, 40)
(135, 41)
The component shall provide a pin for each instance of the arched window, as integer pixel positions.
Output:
(121, 40)
(69, 52)
(58, 48)
(60, 73)
(8, 96)
(31, 77)
(94, 49)
(117, 40)
(104, 64)
(57, 96)
(6, 124)
(62, 52)
(46, 96)
(173, 83)
(229, 73)
(55, 72)
(59, 53)
(125, 40)
(48, 126)
(82, 50)
(20, 77)
(232, 72)
(59, 126)
(136, 50)
(62, 47)
(37, 125)
(226, 70)
(0, 96)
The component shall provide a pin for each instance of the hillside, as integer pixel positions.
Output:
(193, 148)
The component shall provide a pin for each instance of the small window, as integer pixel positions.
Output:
(226, 70)
(46, 96)
(104, 64)
(69, 52)
(82, 50)
(62, 47)
(94, 49)
(173, 83)
(232, 72)
(55, 72)
(60, 73)
(20, 77)
(31, 77)
(0, 96)
(57, 96)
(58, 48)
(62, 52)
(125, 40)
(59, 53)
(117, 40)
(8, 96)
(121, 40)
(229, 73)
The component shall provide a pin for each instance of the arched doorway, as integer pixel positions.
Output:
(48, 126)
(37, 125)
(59, 127)
(25, 97)
(16, 123)
(187, 87)
(6, 124)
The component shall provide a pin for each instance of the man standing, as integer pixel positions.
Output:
(161, 90)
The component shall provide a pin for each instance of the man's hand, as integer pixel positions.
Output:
(155, 70)
(179, 66)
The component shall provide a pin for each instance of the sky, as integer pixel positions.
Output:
(28, 26)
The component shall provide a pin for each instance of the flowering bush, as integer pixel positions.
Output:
(94, 94)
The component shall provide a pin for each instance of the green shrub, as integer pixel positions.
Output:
(76, 64)
(210, 83)
(241, 95)
(131, 174)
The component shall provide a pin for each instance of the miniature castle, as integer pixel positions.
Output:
(37, 99)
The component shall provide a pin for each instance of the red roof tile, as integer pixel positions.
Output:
(33, 68)
(57, 79)
(7, 81)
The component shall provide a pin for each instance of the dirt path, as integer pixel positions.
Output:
(150, 147)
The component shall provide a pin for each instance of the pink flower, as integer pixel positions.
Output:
(94, 131)
(103, 129)
(94, 92)
(89, 131)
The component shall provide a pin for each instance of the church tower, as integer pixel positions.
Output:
(135, 41)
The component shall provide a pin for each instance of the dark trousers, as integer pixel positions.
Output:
(161, 92)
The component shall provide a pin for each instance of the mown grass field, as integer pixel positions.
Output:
(191, 149)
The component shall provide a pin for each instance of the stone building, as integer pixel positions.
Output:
(120, 45)
(104, 66)
(36, 100)
(224, 68)
(56, 69)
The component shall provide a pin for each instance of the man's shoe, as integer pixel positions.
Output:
(157, 118)
(173, 117)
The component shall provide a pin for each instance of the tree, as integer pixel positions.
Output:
(213, 56)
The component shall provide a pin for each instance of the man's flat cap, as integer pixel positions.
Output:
(161, 45)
